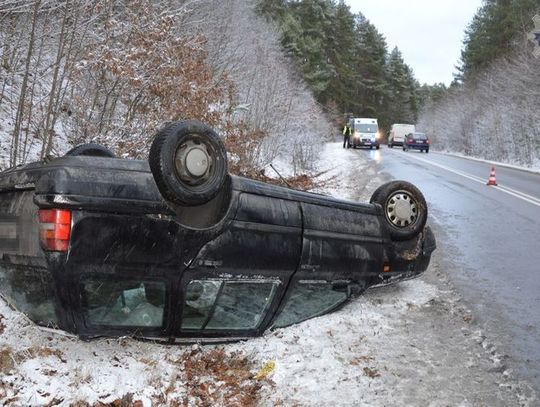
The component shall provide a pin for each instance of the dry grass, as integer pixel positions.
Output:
(371, 372)
(43, 351)
(361, 360)
(217, 378)
(302, 182)
(124, 401)
(7, 360)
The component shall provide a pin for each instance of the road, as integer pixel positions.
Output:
(491, 241)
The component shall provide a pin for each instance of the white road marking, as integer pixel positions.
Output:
(521, 195)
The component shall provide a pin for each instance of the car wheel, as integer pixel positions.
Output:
(391, 145)
(189, 162)
(377, 147)
(404, 206)
(90, 150)
(427, 150)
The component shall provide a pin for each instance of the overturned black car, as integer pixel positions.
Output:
(178, 249)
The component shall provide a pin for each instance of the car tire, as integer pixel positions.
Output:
(404, 207)
(90, 150)
(391, 145)
(427, 150)
(189, 162)
(377, 147)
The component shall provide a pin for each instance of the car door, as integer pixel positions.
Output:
(341, 250)
(234, 285)
(340, 240)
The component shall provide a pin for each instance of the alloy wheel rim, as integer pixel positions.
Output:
(401, 209)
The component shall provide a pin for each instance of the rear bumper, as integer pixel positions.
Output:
(417, 146)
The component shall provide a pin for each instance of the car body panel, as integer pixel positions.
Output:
(127, 243)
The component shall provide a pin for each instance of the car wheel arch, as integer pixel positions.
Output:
(404, 208)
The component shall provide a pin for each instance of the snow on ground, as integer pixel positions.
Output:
(410, 344)
(535, 167)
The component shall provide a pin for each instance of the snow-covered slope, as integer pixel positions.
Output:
(411, 344)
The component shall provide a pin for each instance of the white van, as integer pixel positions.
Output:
(365, 132)
(398, 132)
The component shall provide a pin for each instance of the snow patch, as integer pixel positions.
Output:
(405, 344)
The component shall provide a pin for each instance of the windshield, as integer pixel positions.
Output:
(366, 128)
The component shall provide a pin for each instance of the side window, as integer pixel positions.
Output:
(123, 303)
(226, 305)
(310, 299)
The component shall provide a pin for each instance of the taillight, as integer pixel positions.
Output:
(54, 229)
(410, 140)
(428, 141)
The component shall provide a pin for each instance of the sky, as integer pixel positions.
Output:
(429, 33)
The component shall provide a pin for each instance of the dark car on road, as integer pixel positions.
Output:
(176, 248)
(416, 141)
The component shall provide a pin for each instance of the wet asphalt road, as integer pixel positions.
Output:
(491, 240)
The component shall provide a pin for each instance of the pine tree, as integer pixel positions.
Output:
(344, 60)
(370, 60)
(402, 95)
(495, 32)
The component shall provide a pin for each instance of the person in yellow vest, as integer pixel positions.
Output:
(346, 135)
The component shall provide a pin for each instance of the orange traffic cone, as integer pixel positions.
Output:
(492, 179)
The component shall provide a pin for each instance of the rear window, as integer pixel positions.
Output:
(420, 136)
(24, 277)
(31, 290)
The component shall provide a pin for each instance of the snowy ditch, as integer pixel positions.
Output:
(410, 344)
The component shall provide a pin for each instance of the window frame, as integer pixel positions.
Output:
(267, 315)
(293, 286)
(104, 330)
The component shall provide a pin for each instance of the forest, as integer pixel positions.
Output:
(275, 77)
(491, 109)
(345, 61)
(103, 71)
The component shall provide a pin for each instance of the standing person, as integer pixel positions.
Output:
(346, 135)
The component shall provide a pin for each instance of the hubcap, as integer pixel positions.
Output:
(197, 162)
(193, 162)
(401, 209)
